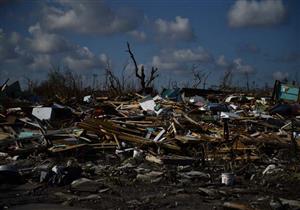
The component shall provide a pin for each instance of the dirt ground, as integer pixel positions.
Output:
(122, 187)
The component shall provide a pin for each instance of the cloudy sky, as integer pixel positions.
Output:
(257, 37)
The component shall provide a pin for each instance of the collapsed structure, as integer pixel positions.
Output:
(206, 144)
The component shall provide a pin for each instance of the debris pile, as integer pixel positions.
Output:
(184, 148)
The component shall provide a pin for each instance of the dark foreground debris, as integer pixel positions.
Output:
(183, 149)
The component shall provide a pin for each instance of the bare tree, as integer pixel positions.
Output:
(140, 73)
(118, 83)
(200, 77)
(226, 79)
(205, 79)
(61, 82)
(123, 78)
(112, 81)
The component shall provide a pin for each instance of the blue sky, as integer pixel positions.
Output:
(259, 38)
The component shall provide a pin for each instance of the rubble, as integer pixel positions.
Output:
(227, 150)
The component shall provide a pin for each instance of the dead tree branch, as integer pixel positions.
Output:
(113, 81)
(145, 83)
(226, 79)
(199, 76)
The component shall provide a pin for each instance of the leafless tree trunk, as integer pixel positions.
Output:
(200, 77)
(123, 79)
(205, 79)
(113, 81)
(145, 83)
(226, 79)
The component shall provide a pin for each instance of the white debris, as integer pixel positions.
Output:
(42, 113)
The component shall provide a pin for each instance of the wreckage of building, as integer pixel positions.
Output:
(183, 148)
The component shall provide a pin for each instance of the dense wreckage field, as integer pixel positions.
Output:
(182, 149)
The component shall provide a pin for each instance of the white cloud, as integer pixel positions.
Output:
(33, 55)
(8, 44)
(189, 55)
(237, 65)
(24, 56)
(43, 42)
(180, 29)
(78, 64)
(90, 17)
(164, 64)
(242, 68)
(256, 13)
(83, 59)
(278, 75)
(40, 62)
(84, 52)
(175, 59)
(222, 62)
(138, 35)
(104, 58)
